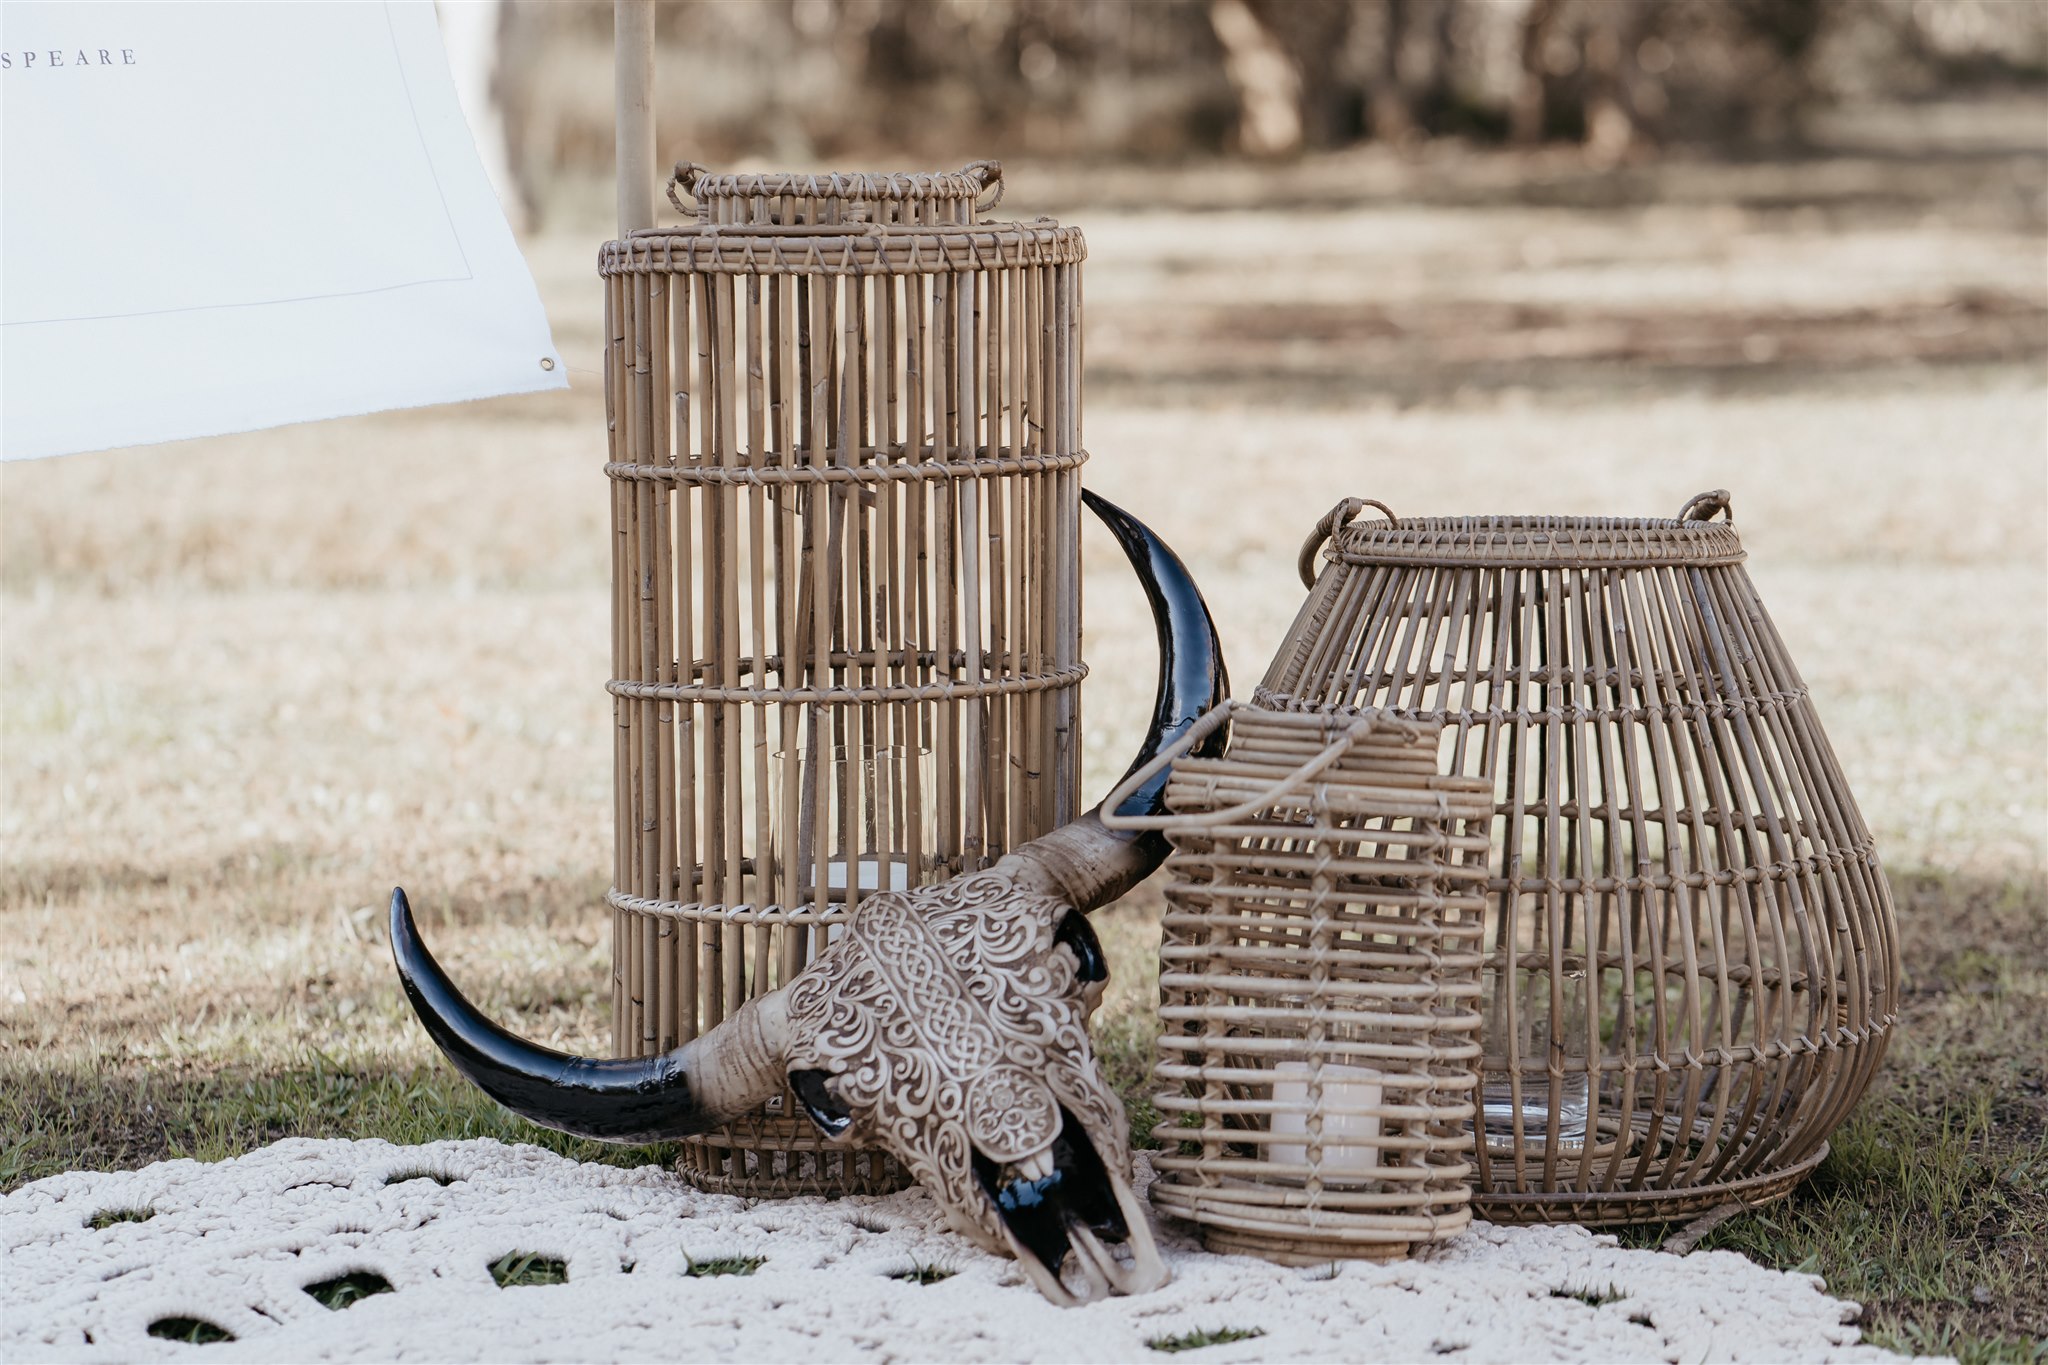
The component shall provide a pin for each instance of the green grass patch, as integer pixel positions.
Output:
(113, 1117)
(1125, 1048)
(345, 1291)
(924, 1274)
(105, 1219)
(726, 1265)
(193, 1331)
(525, 1269)
(1195, 1341)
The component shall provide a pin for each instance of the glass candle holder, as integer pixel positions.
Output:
(860, 819)
(1537, 1076)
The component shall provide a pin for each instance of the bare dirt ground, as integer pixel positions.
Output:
(249, 683)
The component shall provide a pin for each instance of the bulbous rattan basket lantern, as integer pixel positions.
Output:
(1691, 949)
(846, 461)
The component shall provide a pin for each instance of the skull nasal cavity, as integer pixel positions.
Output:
(832, 1117)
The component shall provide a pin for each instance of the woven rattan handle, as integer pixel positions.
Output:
(1332, 521)
(1340, 744)
(1702, 506)
(685, 178)
(989, 174)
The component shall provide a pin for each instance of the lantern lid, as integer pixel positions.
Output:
(836, 198)
(1691, 538)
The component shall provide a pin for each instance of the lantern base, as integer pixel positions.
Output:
(1619, 1208)
(1287, 1249)
(765, 1157)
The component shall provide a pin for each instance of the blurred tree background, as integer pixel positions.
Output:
(804, 82)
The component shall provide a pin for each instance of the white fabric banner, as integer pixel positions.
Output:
(217, 218)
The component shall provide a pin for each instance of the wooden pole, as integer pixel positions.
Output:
(633, 77)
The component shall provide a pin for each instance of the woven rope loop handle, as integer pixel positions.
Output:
(1340, 744)
(1333, 521)
(1702, 506)
(990, 174)
(685, 177)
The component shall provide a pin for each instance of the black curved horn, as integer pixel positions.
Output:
(629, 1099)
(1085, 862)
(1192, 680)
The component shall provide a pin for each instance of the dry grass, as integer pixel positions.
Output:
(250, 683)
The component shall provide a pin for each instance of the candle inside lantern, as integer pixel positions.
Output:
(870, 871)
(1350, 1141)
(864, 820)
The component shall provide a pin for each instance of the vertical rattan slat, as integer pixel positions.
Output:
(1691, 948)
(1319, 987)
(845, 464)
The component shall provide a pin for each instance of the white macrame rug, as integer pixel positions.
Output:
(234, 1244)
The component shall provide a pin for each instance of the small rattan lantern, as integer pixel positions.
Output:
(846, 451)
(1691, 948)
(1319, 987)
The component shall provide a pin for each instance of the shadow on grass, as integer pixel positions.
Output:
(115, 1117)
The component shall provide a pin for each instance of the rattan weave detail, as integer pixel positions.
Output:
(793, 199)
(1692, 955)
(1319, 987)
(872, 250)
(944, 689)
(845, 467)
(1557, 541)
(875, 468)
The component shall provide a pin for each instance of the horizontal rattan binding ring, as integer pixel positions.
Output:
(705, 912)
(939, 689)
(858, 249)
(1619, 1208)
(871, 470)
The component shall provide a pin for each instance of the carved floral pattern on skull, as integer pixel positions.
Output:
(952, 1025)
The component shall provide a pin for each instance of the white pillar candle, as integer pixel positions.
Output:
(870, 868)
(1350, 1141)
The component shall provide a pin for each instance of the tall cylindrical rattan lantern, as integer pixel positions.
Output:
(846, 451)
(1691, 948)
(1319, 986)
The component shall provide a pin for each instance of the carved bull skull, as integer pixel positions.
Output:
(947, 1024)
